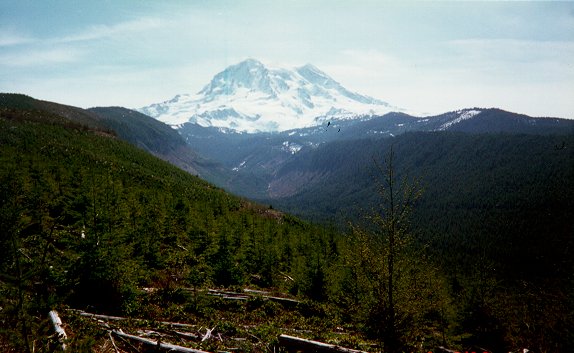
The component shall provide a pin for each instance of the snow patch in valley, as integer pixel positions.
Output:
(241, 165)
(291, 147)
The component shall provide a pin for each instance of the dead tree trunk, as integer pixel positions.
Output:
(304, 345)
(251, 293)
(165, 346)
(119, 318)
(57, 324)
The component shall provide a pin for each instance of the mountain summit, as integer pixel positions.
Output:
(251, 97)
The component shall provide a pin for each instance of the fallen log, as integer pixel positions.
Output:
(262, 292)
(113, 342)
(443, 349)
(103, 317)
(165, 346)
(207, 335)
(267, 295)
(251, 293)
(292, 343)
(232, 297)
(247, 293)
(284, 301)
(227, 294)
(186, 335)
(287, 277)
(57, 324)
(120, 318)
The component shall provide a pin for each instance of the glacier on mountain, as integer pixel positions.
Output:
(251, 97)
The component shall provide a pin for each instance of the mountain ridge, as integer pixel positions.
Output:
(272, 166)
(251, 97)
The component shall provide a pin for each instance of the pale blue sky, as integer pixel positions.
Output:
(429, 57)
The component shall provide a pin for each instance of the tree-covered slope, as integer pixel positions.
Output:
(87, 220)
(58, 112)
(497, 212)
(475, 186)
(255, 161)
(140, 130)
(158, 139)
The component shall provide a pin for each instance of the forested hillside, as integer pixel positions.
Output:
(496, 213)
(87, 221)
(257, 164)
(476, 254)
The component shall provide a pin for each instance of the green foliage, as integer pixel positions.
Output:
(91, 222)
(498, 205)
(88, 220)
(390, 285)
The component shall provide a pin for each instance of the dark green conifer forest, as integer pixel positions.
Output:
(89, 222)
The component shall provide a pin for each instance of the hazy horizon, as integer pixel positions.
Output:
(429, 57)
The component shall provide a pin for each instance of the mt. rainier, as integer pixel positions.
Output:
(251, 97)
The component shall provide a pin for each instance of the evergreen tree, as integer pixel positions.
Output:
(396, 290)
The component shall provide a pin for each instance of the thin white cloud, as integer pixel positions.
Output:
(8, 38)
(63, 50)
(132, 88)
(106, 31)
(39, 58)
(370, 62)
(515, 49)
(370, 72)
(512, 61)
(468, 73)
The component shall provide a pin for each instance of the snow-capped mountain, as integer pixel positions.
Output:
(251, 97)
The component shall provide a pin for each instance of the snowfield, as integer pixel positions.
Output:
(251, 97)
